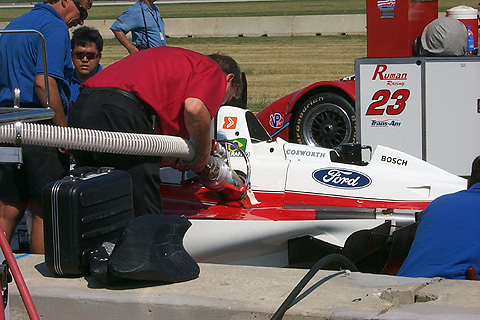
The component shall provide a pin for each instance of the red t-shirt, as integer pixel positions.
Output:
(163, 78)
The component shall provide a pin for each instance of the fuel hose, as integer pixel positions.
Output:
(96, 140)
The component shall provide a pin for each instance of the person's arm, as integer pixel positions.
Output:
(198, 122)
(55, 99)
(122, 38)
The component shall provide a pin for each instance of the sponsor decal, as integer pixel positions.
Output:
(229, 122)
(237, 153)
(276, 120)
(395, 83)
(386, 3)
(240, 143)
(306, 153)
(342, 178)
(394, 160)
(381, 73)
(385, 123)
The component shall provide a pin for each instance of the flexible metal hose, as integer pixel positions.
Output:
(97, 140)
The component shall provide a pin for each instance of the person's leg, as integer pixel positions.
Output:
(43, 166)
(11, 214)
(36, 238)
(146, 187)
(13, 197)
(104, 110)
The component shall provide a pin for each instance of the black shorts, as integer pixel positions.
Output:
(41, 165)
(113, 109)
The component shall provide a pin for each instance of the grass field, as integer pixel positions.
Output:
(238, 9)
(224, 9)
(274, 66)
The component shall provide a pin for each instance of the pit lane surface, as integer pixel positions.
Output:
(241, 292)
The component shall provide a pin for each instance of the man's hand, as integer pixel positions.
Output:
(122, 38)
(177, 164)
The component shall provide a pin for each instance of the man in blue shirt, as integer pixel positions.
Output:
(87, 46)
(144, 21)
(21, 66)
(447, 240)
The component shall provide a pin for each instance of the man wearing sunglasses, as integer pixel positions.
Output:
(21, 67)
(87, 46)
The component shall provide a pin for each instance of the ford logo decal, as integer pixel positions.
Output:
(342, 178)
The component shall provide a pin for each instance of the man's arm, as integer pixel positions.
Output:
(55, 100)
(198, 122)
(122, 38)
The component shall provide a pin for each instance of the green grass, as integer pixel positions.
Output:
(238, 9)
(224, 9)
(274, 66)
(277, 66)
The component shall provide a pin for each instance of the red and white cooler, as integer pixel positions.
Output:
(468, 16)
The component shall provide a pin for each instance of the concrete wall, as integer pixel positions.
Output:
(251, 26)
(266, 26)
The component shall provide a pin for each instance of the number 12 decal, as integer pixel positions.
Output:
(382, 97)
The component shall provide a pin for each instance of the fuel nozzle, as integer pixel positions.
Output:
(220, 178)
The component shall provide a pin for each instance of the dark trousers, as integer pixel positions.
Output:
(113, 109)
(41, 165)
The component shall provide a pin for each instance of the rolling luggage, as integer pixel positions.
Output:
(81, 211)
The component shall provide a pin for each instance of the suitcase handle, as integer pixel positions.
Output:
(82, 172)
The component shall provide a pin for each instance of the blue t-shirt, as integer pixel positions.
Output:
(75, 85)
(21, 56)
(447, 240)
(131, 20)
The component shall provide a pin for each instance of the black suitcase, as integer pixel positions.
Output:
(81, 211)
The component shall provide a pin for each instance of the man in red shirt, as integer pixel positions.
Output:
(164, 90)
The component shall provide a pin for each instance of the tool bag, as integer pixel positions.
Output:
(81, 211)
(150, 249)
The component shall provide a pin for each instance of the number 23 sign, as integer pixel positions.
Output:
(390, 96)
(382, 99)
(388, 90)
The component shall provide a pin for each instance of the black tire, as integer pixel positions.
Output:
(324, 120)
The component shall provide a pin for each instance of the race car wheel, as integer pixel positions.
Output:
(324, 120)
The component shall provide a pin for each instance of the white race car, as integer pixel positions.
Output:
(304, 202)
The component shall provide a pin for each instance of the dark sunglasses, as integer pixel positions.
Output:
(81, 54)
(83, 11)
